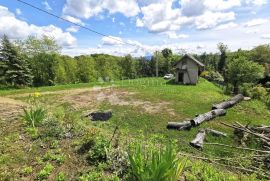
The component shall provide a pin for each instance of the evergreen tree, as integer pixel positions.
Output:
(14, 69)
(223, 56)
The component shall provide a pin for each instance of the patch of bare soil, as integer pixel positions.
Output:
(10, 108)
(91, 98)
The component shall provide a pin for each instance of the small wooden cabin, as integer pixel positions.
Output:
(188, 70)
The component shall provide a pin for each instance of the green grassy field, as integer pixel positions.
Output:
(141, 109)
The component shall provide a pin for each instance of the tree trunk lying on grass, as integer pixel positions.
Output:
(207, 116)
(186, 125)
(229, 103)
(198, 141)
(215, 132)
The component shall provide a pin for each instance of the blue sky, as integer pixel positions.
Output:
(192, 26)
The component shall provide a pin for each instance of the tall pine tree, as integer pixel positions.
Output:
(14, 69)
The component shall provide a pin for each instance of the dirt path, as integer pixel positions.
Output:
(10, 108)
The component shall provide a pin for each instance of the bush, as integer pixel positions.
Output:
(153, 165)
(97, 152)
(52, 128)
(258, 92)
(213, 76)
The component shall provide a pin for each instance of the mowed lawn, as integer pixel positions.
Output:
(141, 110)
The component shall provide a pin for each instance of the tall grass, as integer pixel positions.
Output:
(34, 116)
(155, 165)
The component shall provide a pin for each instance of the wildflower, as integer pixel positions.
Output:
(36, 94)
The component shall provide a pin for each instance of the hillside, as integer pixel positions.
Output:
(141, 109)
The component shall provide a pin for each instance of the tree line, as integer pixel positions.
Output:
(38, 62)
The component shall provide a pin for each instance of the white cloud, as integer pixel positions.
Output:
(73, 20)
(89, 8)
(211, 19)
(47, 5)
(226, 26)
(112, 41)
(18, 29)
(18, 11)
(219, 5)
(266, 36)
(139, 23)
(256, 22)
(256, 2)
(174, 35)
(192, 7)
(73, 29)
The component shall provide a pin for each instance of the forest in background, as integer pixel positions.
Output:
(38, 62)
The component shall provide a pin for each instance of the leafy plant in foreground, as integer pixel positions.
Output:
(34, 116)
(155, 165)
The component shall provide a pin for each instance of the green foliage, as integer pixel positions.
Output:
(45, 172)
(258, 92)
(223, 56)
(61, 177)
(27, 170)
(33, 132)
(198, 170)
(98, 176)
(97, 152)
(52, 128)
(56, 156)
(152, 165)
(34, 116)
(241, 71)
(14, 69)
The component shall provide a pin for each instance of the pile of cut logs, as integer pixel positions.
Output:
(217, 110)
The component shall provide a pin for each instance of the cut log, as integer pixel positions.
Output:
(185, 125)
(207, 116)
(198, 141)
(215, 132)
(229, 103)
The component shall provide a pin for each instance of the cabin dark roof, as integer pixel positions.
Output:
(191, 58)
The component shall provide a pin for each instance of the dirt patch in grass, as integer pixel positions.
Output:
(10, 108)
(91, 98)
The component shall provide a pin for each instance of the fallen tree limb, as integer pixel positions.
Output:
(179, 125)
(198, 141)
(215, 132)
(207, 116)
(236, 147)
(229, 103)
(248, 131)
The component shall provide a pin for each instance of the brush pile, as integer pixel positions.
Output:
(247, 135)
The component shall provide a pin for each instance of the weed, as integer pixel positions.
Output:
(61, 177)
(98, 152)
(34, 116)
(45, 172)
(155, 165)
(54, 156)
(27, 170)
(33, 132)
(54, 144)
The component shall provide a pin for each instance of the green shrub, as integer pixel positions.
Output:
(155, 165)
(52, 156)
(98, 176)
(34, 116)
(33, 132)
(258, 92)
(97, 152)
(51, 128)
(45, 172)
(61, 177)
(117, 160)
(27, 170)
